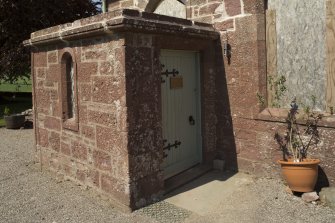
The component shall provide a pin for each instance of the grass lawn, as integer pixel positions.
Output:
(21, 85)
(15, 105)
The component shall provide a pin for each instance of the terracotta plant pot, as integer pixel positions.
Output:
(14, 121)
(302, 176)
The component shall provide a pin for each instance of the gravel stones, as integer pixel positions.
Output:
(29, 195)
(327, 196)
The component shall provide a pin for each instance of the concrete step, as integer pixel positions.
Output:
(186, 177)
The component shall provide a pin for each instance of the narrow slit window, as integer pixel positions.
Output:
(69, 94)
(70, 88)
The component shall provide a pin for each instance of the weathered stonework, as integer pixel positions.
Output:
(245, 141)
(117, 148)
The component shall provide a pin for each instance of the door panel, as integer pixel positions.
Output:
(180, 110)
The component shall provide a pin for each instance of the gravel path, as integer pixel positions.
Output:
(29, 195)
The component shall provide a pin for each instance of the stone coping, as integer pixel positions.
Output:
(120, 21)
(280, 114)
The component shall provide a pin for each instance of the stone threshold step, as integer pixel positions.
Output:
(186, 176)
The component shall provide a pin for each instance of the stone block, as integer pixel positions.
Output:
(110, 140)
(253, 6)
(54, 73)
(103, 118)
(40, 59)
(85, 92)
(41, 72)
(107, 68)
(233, 7)
(52, 123)
(86, 70)
(79, 151)
(96, 55)
(54, 95)
(65, 149)
(102, 160)
(68, 170)
(115, 188)
(106, 90)
(82, 110)
(43, 139)
(81, 175)
(130, 12)
(93, 178)
(43, 98)
(224, 25)
(88, 132)
(53, 57)
(55, 163)
(54, 141)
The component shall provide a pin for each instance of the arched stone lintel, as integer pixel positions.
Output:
(153, 4)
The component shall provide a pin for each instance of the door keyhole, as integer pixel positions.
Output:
(191, 120)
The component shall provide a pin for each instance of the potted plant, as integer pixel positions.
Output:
(13, 121)
(301, 134)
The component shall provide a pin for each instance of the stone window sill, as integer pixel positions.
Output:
(280, 114)
(71, 124)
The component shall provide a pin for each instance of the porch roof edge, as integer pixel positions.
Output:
(121, 21)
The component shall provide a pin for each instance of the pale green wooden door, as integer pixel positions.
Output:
(180, 111)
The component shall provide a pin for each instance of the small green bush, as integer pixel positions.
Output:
(6, 111)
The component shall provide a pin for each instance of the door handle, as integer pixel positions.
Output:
(191, 120)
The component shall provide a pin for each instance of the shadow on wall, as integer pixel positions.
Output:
(225, 131)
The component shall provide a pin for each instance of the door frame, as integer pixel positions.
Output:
(198, 80)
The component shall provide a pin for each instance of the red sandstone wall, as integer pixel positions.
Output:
(129, 4)
(242, 26)
(250, 146)
(96, 155)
